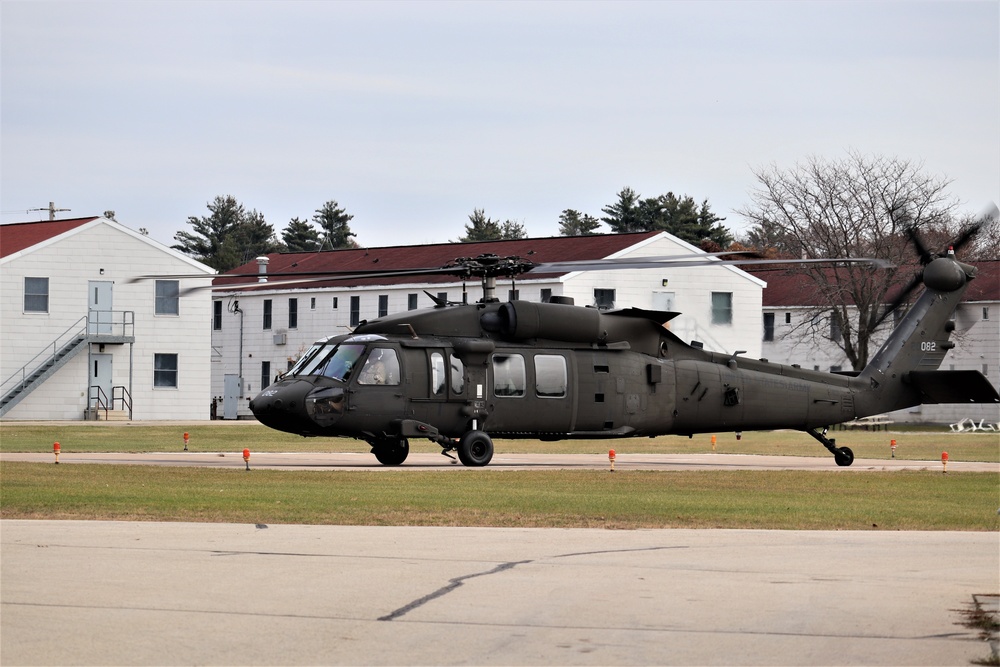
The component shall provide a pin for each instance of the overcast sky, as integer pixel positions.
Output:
(412, 114)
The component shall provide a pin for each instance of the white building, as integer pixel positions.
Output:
(259, 332)
(796, 331)
(81, 340)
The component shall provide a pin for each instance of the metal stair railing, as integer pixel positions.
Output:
(50, 354)
(125, 398)
(100, 401)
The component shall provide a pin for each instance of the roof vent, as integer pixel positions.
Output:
(262, 269)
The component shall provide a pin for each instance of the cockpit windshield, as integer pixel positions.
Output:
(305, 360)
(332, 359)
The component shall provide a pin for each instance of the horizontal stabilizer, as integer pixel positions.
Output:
(953, 387)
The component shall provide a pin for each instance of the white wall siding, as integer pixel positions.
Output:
(122, 254)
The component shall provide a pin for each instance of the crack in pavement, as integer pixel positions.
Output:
(444, 590)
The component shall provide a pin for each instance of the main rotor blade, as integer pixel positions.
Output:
(666, 263)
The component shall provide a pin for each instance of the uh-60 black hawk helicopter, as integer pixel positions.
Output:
(463, 374)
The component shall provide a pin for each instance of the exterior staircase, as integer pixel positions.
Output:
(57, 354)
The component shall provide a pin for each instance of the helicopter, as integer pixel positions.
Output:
(461, 374)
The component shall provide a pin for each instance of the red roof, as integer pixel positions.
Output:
(787, 288)
(18, 236)
(538, 250)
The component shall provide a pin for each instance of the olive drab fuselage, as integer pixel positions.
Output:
(554, 370)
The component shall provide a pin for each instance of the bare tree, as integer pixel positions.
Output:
(860, 206)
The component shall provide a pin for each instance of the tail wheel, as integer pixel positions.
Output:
(475, 449)
(844, 456)
(391, 451)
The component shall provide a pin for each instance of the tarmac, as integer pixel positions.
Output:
(116, 593)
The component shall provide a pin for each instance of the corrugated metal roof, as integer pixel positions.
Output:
(19, 236)
(537, 250)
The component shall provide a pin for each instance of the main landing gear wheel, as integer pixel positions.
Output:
(475, 449)
(843, 456)
(391, 451)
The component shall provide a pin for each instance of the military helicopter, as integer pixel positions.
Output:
(463, 374)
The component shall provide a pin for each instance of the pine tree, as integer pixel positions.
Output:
(332, 220)
(301, 236)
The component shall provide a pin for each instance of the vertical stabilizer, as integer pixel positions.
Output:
(919, 343)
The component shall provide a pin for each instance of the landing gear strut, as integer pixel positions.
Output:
(842, 455)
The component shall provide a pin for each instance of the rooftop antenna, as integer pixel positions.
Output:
(51, 209)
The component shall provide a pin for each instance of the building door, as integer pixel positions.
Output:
(99, 308)
(231, 396)
(100, 376)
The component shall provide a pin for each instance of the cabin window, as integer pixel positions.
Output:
(168, 297)
(383, 305)
(411, 301)
(604, 299)
(355, 311)
(267, 314)
(457, 376)
(768, 327)
(550, 375)
(165, 371)
(508, 375)
(217, 316)
(437, 373)
(722, 307)
(293, 313)
(36, 295)
(381, 368)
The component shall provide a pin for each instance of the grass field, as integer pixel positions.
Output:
(234, 436)
(629, 499)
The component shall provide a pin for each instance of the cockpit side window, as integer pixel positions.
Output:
(381, 368)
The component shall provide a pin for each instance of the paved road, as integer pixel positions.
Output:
(109, 593)
(426, 461)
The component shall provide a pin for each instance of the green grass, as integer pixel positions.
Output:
(78, 437)
(625, 499)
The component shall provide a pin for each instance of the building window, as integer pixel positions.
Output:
(836, 331)
(383, 305)
(36, 295)
(312, 303)
(986, 313)
(604, 299)
(788, 318)
(165, 370)
(986, 370)
(335, 303)
(722, 307)
(265, 374)
(508, 375)
(768, 327)
(545, 295)
(411, 301)
(267, 314)
(355, 311)
(513, 294)
(550, 375)
(443, 297)
(293, 313)
(217, 316)
(168, 297)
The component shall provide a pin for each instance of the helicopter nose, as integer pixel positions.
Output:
(282, 407)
